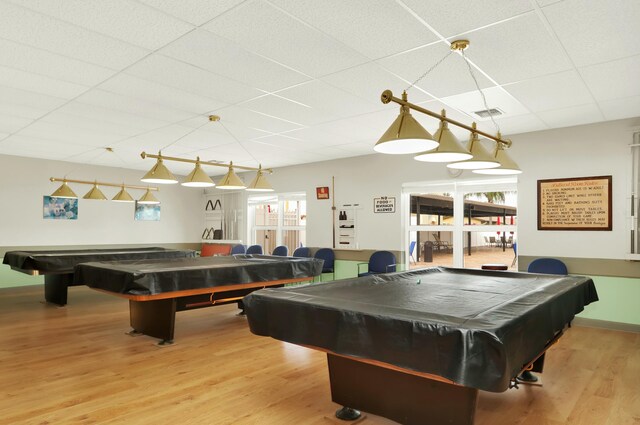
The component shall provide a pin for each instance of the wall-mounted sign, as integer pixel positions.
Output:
(322, 192)
(582, 203)
(384, 204)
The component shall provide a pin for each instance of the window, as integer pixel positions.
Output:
(462, 224)
(278, 220)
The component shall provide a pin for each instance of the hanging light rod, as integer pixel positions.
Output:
(194, 161)
(387, 97)
(128, 186)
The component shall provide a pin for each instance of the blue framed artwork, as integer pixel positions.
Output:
(59, 208)
(147, 212)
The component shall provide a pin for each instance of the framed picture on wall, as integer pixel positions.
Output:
(147, 212)
(59, 208)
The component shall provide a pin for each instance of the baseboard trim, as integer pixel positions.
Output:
(604, 324)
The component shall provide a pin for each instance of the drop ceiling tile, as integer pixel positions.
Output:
(617, 109)
(322, 96)
(282, 142)
(149, 91)
(22, 111)
(124, 20)
(358, 148)
(38, 61)
(196, 12)
(449, 78)
(163, 138)
(575, 115)
(180, 75)
(15, 78)
(259, 121)
(204, 140)
(496, 97)
(289, 110)
(458, 16)
(319, 137)
(545, 3)
(41, 31)
(594, 32)
(83, 111)
(213, 53)
(367, 26)
(369, 80)
(554, 91)
(366, 127)
(21, 145)
(23, 98)
(68, 134)
(520, 124)
(133, 106)
(11, 124)
(518, 49)
(280, 37)
(616, 79)
(95, 123)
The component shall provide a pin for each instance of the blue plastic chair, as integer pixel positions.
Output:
(379, 262)
(254, 249)
(515, 253)
(547, 266)
(302, 252)
(238, 249)
(329, 258)
(281, 250)
(412, 247)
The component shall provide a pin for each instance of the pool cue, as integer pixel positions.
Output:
(333, 208)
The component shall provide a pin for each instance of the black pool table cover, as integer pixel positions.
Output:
(152, 277)
(476, 328)
(63, 261)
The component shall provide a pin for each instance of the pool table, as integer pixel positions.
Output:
(157, 289)
(57, 265)
(416, 346)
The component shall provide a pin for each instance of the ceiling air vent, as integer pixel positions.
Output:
(488, 113)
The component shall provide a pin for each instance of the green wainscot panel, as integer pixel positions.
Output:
(619, 300)
(10, 278)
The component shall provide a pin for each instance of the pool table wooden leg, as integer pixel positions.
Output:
(155, 318)
(55, 288)
(402, 397)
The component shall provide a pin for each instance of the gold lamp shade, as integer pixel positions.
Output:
(450, 148)
(64, 191)
(122, 196)
(198, 178)
(507, 165)
(148, 198)
(95, 193)
(481, 160)
(231, 180)
(405, 135)
(260, 183)
(159, 174)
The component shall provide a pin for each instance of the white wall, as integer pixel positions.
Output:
(590, 150)
(25, 180)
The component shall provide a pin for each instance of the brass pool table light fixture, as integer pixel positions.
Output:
(405, 135)
(481, 158)
(507, 165)
(95, 193)
(64, 191)
(259, 183)
(159, 173)
(448, 148)
(199, 178)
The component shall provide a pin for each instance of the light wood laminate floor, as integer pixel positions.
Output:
(75, 365)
